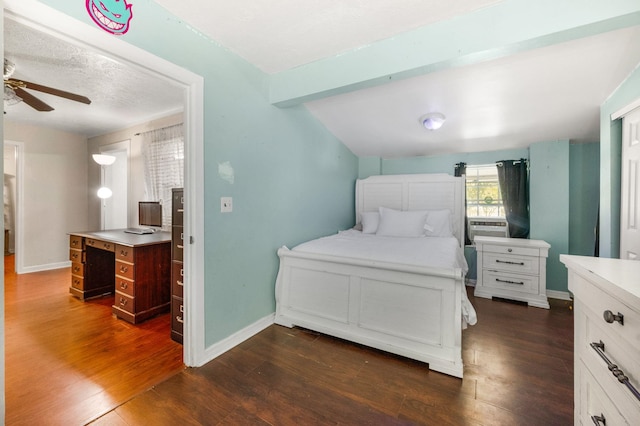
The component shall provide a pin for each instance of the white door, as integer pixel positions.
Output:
(630, 187)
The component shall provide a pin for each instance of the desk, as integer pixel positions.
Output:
(136, 267)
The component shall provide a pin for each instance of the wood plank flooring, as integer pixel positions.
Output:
(518, 371)
(68, 362)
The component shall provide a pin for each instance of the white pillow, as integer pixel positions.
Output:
(438, 223)
(370, 222)
(396, 223)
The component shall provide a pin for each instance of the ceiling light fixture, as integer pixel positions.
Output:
(432, 121)
(103, 159)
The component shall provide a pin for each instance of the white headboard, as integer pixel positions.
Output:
(414, 192)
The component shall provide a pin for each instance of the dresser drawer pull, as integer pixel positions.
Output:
(619, 374)
(509, 281)
(599, 420)
(508, 262)
(610, 317)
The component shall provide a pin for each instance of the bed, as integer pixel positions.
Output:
(386, 295)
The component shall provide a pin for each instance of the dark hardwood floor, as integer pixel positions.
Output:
(518, 371)
(68, 362)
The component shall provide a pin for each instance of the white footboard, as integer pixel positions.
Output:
(409, 311)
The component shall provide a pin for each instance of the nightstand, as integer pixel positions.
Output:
(512, 268)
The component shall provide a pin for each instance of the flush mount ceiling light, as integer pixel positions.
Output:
(432, 121)
(103, 159)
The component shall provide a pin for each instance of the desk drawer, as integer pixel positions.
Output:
(125, 286)
(125, 302)
(76, 255)
(77, 268)
(124, 253)
(125, 270)
(77, 282)
(177, 315)
(102, 245)
(177, 279)
(76, 242)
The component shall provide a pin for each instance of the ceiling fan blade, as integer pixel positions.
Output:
(32, 101)
(56, 92)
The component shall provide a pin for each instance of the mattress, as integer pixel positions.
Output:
(414, 251)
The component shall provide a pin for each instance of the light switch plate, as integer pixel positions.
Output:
(226, 204)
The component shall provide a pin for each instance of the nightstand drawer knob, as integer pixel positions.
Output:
(610, 317)
(510, 250)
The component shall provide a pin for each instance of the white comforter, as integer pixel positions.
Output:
(415, 251)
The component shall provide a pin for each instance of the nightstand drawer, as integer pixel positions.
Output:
(503, 262)
(512, 282)
(511, 249)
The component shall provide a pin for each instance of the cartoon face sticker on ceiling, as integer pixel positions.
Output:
(112, 16)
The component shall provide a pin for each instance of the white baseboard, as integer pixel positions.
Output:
(470, 282)
(561, 295)
(47, 267)
(235, 339)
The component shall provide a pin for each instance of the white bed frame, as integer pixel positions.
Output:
(410, 311)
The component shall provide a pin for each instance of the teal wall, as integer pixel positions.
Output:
(293, 179)
(584, 197)
(610, 154)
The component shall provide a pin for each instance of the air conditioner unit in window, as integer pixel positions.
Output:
(488, 227)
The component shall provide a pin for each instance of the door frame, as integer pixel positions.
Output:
(55, 23)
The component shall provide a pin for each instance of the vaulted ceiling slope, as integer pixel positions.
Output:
(506, 73)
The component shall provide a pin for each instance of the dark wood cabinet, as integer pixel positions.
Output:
(177, 270)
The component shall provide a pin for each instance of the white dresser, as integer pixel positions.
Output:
(512, 268)
(607, 339)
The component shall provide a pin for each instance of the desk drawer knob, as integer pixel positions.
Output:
(123, 269)
(124, 253)
(76, 269)
(123, 302)
(610, 317)
(124, 285)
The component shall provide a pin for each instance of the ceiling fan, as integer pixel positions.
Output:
(14, 91)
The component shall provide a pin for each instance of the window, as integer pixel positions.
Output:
(483, 192)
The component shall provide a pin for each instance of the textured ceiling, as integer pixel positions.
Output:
(120, 96)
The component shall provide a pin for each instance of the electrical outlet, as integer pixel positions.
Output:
(226, 204)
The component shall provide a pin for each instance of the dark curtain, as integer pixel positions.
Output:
(461, 170)
(513, 178)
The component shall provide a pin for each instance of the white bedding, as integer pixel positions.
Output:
(415, 251)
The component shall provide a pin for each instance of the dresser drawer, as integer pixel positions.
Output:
(177, 314)
(125, 270)
(511, 249)
(599, 302)
(125, 286)
(124, 253)
(594, 401)
(77, 282)
(125, 302)
(76, 255)
(76, 242)
(525, 284)
(177, 279)
(504, 262)
(102, 245)
(77, 268)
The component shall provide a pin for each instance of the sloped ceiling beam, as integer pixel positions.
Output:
(500, 30)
